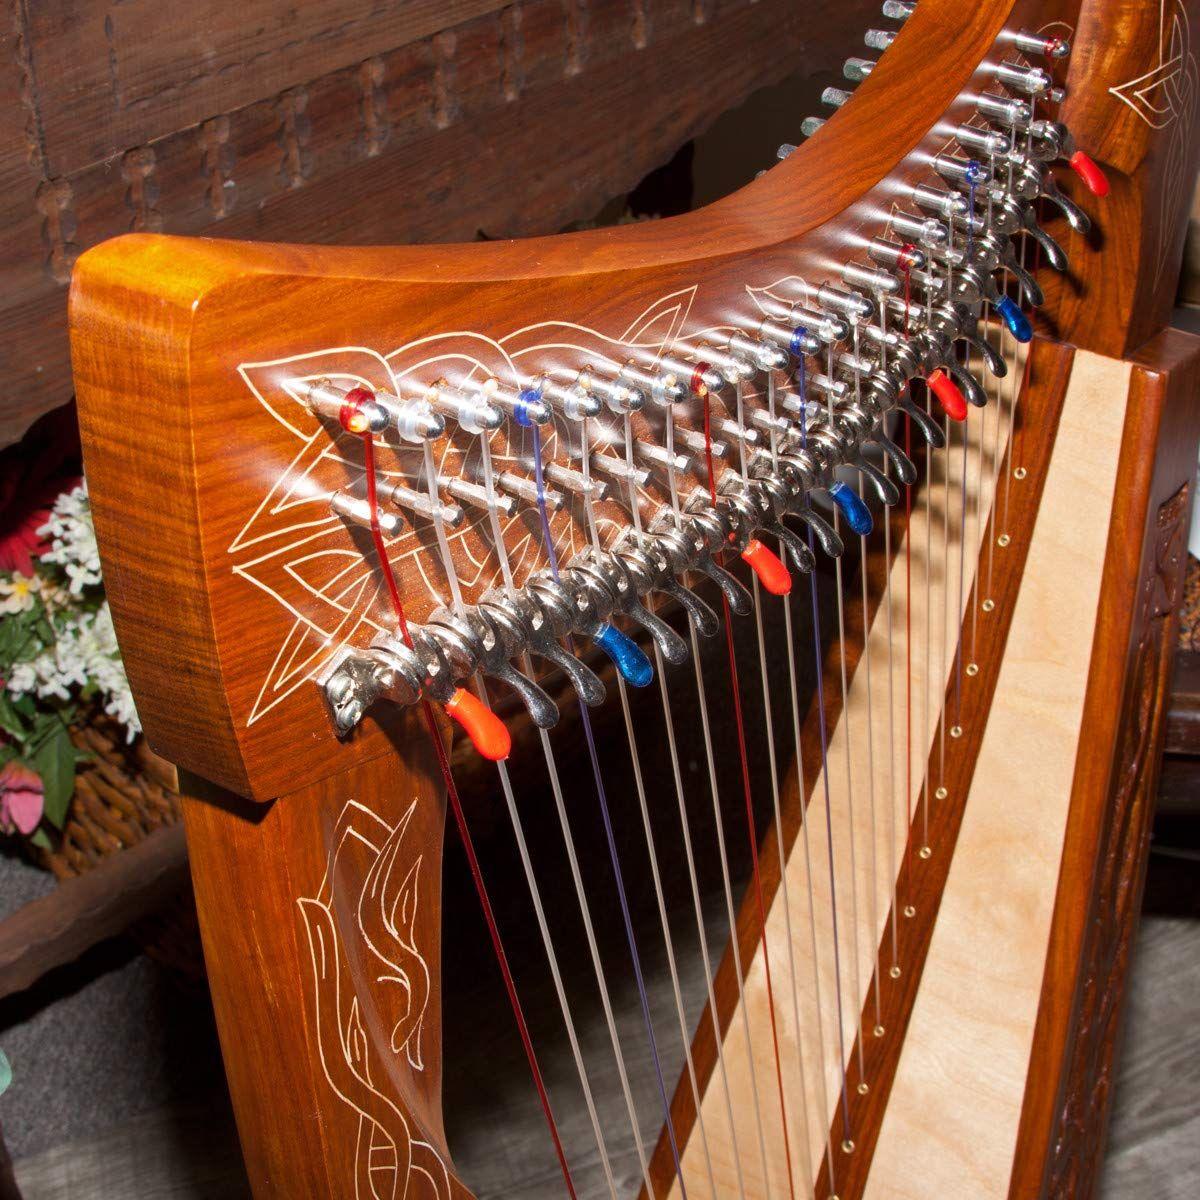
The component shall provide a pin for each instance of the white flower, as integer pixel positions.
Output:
(19, 593)
(73, 540)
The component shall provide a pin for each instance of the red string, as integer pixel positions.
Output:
(750, 827)
(460, 820)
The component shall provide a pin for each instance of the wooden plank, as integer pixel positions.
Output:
(505, 123)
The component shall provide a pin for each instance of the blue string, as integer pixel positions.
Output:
(608, 834)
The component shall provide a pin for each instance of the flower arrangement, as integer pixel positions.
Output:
(58, 658)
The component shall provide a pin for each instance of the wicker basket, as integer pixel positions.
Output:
(123, 792)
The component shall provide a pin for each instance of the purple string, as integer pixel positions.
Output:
(816, 620)
(609, 836)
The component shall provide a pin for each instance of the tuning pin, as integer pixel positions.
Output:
(628, 657)
(953, 402)
(617, 468)
(810, 125)
(576, 482)
(574, 401)
(619, 394)
(853, 306)
(473, 413)
(899, 10)
(879, 39)
(355, 409)
(785, 151)
(1038, 43)
(1034, 81)
(769, 568)
(1089, 171)
(477, 496)
(526, 406)
(489, 735)
(851, 506)
(527, 490)
(1014, 319)
(358, 512)
(1005, 109)
(834, 97)
(420, 503)
(857, 69)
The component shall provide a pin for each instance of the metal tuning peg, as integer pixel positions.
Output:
(525, 406)
(489, 644)
(930, 430)
(677, 554)
(440, 683)
(1049, 190)
(1055, 255)
(906, 471)
(627, 582)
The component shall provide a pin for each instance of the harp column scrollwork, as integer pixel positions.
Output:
(334, 894)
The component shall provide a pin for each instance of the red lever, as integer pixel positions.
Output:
(769, 568)
(1085, 167)
(489, 735)
(953, 402)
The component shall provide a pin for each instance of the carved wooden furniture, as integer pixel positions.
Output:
(344, 494)
(346, 122)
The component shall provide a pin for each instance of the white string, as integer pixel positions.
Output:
(514, 816)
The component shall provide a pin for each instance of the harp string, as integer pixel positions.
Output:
(623, 692)
(751, 825)
(805, 1133)
(597, 967)
(722, 853)
(461, 822)
(824, 741)
(602, 800)
(689, 853)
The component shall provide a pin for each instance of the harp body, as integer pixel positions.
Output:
(993, 876)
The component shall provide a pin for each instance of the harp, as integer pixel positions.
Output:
(355, 502)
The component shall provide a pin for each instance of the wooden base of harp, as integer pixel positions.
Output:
(320, 914)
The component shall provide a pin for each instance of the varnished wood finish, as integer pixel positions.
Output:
(343, 122)
(183, 351)
(1099, 893)
(320, 916)
(160, 328)
(1133, 102)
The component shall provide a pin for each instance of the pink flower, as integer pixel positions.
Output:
(21, 798)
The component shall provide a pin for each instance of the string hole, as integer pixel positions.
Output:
(989, 605)
(863, 1089)
(941, 793)
(1019, 473)
(894, 972)
(909, 911)
(956, 731)
(878, 1031)
(926, 852)
(848, 1146)
(1003, 540)
(972, 669)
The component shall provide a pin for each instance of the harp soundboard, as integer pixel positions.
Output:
(876, 473)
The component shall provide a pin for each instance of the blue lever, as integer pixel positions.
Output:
(629, 657)
(1016, 321)
(857, 514)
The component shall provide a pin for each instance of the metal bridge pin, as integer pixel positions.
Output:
(357, 511)
(834, 97)
(526, 407)
(857, 69)
(810, 125)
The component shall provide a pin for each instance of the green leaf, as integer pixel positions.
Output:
(54, 761)
(41, 839)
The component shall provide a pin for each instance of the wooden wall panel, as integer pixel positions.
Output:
(346, 122)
